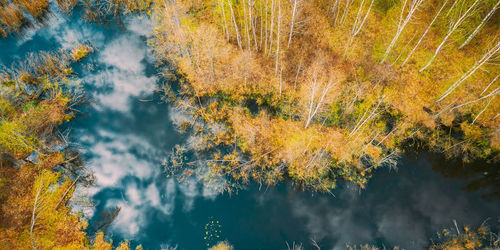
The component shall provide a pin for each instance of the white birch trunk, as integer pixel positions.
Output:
(238, 38)
(425, 33)
(450, 31)
(484, 109)
(271, 29)
(402, 24)
(486, 57)
(346, 9)
(224, 18)
(278, 38)
(487, 87)
(312, 112)
(294, 11)
(34, 215)
(356, 28)
(486, 18)
(252, 21)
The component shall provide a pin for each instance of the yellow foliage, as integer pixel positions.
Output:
(312, 103)
(373, 151)
(223, 245)
(123, 246)
(54, 227)
(100, 243)
(81, 52)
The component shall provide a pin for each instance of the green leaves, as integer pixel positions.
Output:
(14, 139)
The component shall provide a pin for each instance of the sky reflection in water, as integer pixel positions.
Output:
(127, 132)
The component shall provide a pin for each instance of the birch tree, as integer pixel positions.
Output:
(238, 39)
(453, 27)
(335, 12)
(315, 103)
(247, 27)
(413, 7)
(362, 121)
(252, 23)
(358, 24)
(223, 13)
(425, 33)
(267, 30)
(346, 9)
(278, 38)
(483, 22)
(484, 109)
(271, 29)
(491, 95)
(36, 205)
(486, 57)
(261, 25)
(404, 49)
(292, 23)
(492, 81)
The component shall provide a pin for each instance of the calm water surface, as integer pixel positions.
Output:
(126, 134)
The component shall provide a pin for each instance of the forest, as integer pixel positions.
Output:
(318, 91)
(312, 92)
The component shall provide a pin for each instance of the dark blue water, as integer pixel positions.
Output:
(126, 133)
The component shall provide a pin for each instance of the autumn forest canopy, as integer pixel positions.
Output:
(311, 92)
(325, 90)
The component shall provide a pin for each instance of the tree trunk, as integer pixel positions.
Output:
(486, 18)
(486, 57)
(453, 28)
(402, 24)
(278, 38)
(292, 22)
(271, 29)
(425, 33)
(238, 39)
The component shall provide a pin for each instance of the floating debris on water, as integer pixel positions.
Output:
(213, 230)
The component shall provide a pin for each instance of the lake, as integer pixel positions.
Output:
(126, 133)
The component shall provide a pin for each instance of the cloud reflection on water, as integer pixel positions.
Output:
(127, 140)
(403, 210)
(126, 149)
(401, 214)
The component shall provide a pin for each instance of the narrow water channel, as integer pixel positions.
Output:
(126, 133)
